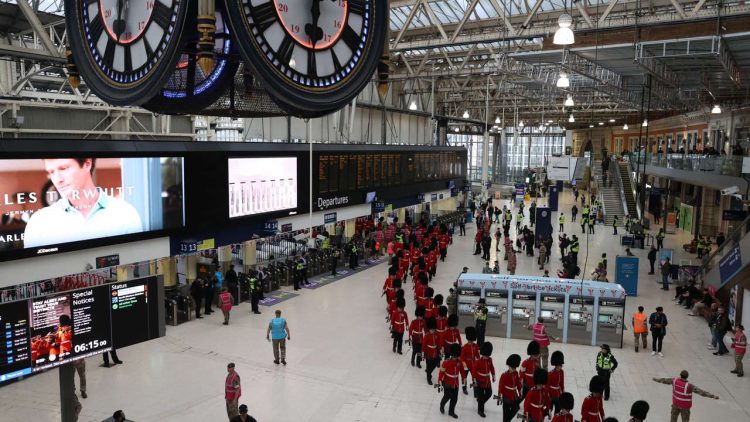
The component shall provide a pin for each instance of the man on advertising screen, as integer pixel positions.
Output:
(83, 210)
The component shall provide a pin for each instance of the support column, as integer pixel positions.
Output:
(485, 157)
(68, 399)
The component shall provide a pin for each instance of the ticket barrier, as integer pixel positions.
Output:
(523, 315)
(610, 322)
(497, 313)
(580, 320)
(468, 298)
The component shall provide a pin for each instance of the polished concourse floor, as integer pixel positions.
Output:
(341, 368)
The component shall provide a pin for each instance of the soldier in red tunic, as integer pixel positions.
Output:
(469, 351)
(556, 379)
(399, 322)
(443, 245)
(451, 335)
(638, 411)
(426, 300)
(566, 403)
(442, 320)
(537, 405)
(431, 349)
(420, 288)
(448, 379)
(432, 310)
(483, 374)
(416, 334)
(388, 284)
(510, 388)
(529, 366)
(592, 409)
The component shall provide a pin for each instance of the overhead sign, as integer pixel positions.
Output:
(108, 261)
(285, 228)
(188, 246)
(323, 203)
(745, 164)
(329, 218)
(561, 168)
(206, 244)
(420, 197)
(378, 206)
(271, 226)
(733, 215)
(730, 264)
(434, 197)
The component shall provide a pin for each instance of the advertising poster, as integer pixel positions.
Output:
(730, 264)
(262, 185)
(732, 312)
(47, 202)
(626, 274)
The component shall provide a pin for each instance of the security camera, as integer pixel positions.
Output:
(730, 190)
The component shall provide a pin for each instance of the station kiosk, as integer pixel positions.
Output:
(580, 312)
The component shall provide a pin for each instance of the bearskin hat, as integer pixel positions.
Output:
(514, 361)
(557, 358)
(533, 348)
(471, 333)
(485, 349)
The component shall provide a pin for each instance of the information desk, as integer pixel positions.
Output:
(575, 311)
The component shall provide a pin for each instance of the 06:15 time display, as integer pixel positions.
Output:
(92, 345)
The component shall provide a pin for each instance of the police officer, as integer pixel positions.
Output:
(614, 225)
(584, 219)
(353, 256)
(605, 365)
(660, 239)
(480, 320)
(255, 290)
(562, 222)
(298, 274)
(335, 255)
(574, 248)
(303, 279)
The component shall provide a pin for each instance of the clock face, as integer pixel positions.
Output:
(123, 45)
(311, 46)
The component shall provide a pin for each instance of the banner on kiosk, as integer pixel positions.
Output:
(47, 202)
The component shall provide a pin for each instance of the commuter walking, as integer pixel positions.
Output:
(225, 303)
(660, 239)
(640, 328)
(652, 259)
(722, 327)
(232, 391)
(658, 323)
(739, 343)
(278, 333)
(682, 395)
(196, 291)
(666, 269)
(243, 416)
(574, 212)
(208, 295)
(614, 225)
(605, 366)
(80, 366)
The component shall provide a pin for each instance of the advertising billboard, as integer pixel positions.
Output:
(54, 201)
(262, 185)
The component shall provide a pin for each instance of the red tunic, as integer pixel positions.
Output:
(442, 324)
(388, 283)
(451, 336)
(555, 383)
(450, 371)
(527, 370)
(469, 354)
(510, 387)
(536, 404)
(443, 243)
(430, 310)
(399, 321)
(592, 409)
(416, 330)
(568, 417)
(483, 371)
(415, 256)
(431, 345)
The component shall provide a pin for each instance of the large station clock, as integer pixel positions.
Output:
(126, 49)
(191, 88)
(311, 55)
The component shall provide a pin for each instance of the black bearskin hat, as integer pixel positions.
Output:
(557, 358)
(423, 278)
(485, 349)
(400, 302)
(514, 361)
(438, 300)
(533, 348)
(639, 410)
(471, 333)
(443, 311)
(452, 320)
(455, 350)
(396, 283)
(419, 311)
(566, 401)
(399, 293)
(540, 376)
(596, 385)
(431, 323)
(429, 292)
(392, 270)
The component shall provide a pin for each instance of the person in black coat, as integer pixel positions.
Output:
(652, 259)
(208, 295)
(196, 291)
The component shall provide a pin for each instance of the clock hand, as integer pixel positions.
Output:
(315, 18)
(119, 25)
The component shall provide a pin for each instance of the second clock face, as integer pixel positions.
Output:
(313, 43)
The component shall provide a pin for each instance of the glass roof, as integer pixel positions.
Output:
(48, 6)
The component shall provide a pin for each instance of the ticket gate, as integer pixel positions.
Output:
(523, 315)
(610, 322)
(497, 312)
(467, 302)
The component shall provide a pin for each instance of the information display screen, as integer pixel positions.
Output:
(265, 184)
(54, 201)
(45, 332)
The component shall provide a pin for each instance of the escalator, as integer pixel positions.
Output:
(627, 188)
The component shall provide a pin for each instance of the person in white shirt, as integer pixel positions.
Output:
(82, 212)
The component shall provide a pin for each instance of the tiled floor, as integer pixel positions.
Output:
(341, 367)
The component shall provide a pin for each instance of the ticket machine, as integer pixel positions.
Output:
(610, 322)
(523, 314)
(468, 297)
(551, 311)
(580, 320)
(497, 307)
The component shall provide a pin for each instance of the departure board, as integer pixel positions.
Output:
(15, 349)
(323, 173)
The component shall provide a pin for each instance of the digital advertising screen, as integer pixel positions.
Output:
(262, 185)
(132, 312)
(54, 201)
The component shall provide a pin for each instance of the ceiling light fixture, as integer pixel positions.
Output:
(591, 126)
(645, 123)
(625, 126)
(497, 120)
(413, 105)
(571, 119)
(520, 123)
(564, 35)
(466, 114)
(601, 123)
(563, 81)
(611, 120)
(455, 130)
(569, 101)
(716, 109)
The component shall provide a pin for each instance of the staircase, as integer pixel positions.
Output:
(611, 199)
(627, 187)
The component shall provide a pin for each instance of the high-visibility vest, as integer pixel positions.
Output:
(604, 361)
(562, 219)
(740, 342)
(300, 266)
(682, 393)
(574, 247)
(640, 323)
(226, 301)
(230, 391)
(326, 243)
(540, 335)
